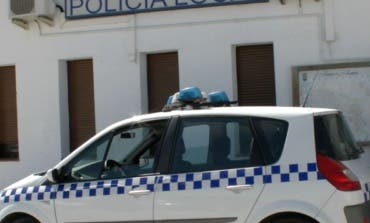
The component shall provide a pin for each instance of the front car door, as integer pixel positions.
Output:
(113, 179)
(216, 173)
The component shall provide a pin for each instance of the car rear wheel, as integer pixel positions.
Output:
(292, 220)
(25, 220)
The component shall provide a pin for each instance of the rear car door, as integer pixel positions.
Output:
(112, 180)
(216, 173)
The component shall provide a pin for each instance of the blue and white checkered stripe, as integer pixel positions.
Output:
(248, 176)
(77, 190)
(25, 193)
(293, 173)
(102, 188)
(367, 192)
(176, 182)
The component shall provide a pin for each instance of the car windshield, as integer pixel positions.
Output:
(334, 138)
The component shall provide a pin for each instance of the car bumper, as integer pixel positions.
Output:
(358, 213)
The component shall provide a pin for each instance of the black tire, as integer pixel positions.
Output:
(25, 220)
(291, 220)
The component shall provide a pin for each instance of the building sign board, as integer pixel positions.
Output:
(77, 9)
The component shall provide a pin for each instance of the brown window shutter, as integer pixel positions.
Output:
(81, 101)
(8, 114)
(256, 75)
(163, 79)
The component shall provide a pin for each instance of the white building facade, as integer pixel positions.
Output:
(129, 49)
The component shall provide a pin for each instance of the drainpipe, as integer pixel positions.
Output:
(133, 46)
(329, 23)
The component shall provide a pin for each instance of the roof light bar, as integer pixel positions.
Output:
(194, 98)
(169, 100)
(218, 97)
(190, 94)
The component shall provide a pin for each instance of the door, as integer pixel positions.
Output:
(112, 180)
(8, 115)
(216, 173)
(163, 78)
(81, 102)
(256, 75)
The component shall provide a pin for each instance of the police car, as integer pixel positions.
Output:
(204, 161)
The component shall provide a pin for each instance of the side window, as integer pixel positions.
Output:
(126, 152)
(196, 141)
(271, 134)
(241, 139)
(216, 143)
(129, 140)
(132, 151)
(88, 164)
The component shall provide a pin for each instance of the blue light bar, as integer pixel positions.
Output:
(169, 100)
(218, 97)
(190, 94)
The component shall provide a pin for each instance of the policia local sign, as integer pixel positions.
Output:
(77, 9)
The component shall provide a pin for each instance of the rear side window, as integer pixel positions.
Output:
(334, 138)
(272, 134)
(214, 143)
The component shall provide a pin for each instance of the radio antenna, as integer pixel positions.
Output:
(310, 90)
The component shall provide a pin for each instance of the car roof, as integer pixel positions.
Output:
(263, 111)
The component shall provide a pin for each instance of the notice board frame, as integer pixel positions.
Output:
(297, 70)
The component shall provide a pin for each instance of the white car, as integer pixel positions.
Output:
(196, 163)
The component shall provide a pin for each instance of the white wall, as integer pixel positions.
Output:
(204, 38)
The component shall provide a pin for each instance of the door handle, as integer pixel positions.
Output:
(239, 188)
(139, 193)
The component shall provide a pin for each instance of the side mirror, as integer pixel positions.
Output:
(52, 175)
(109, 164)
